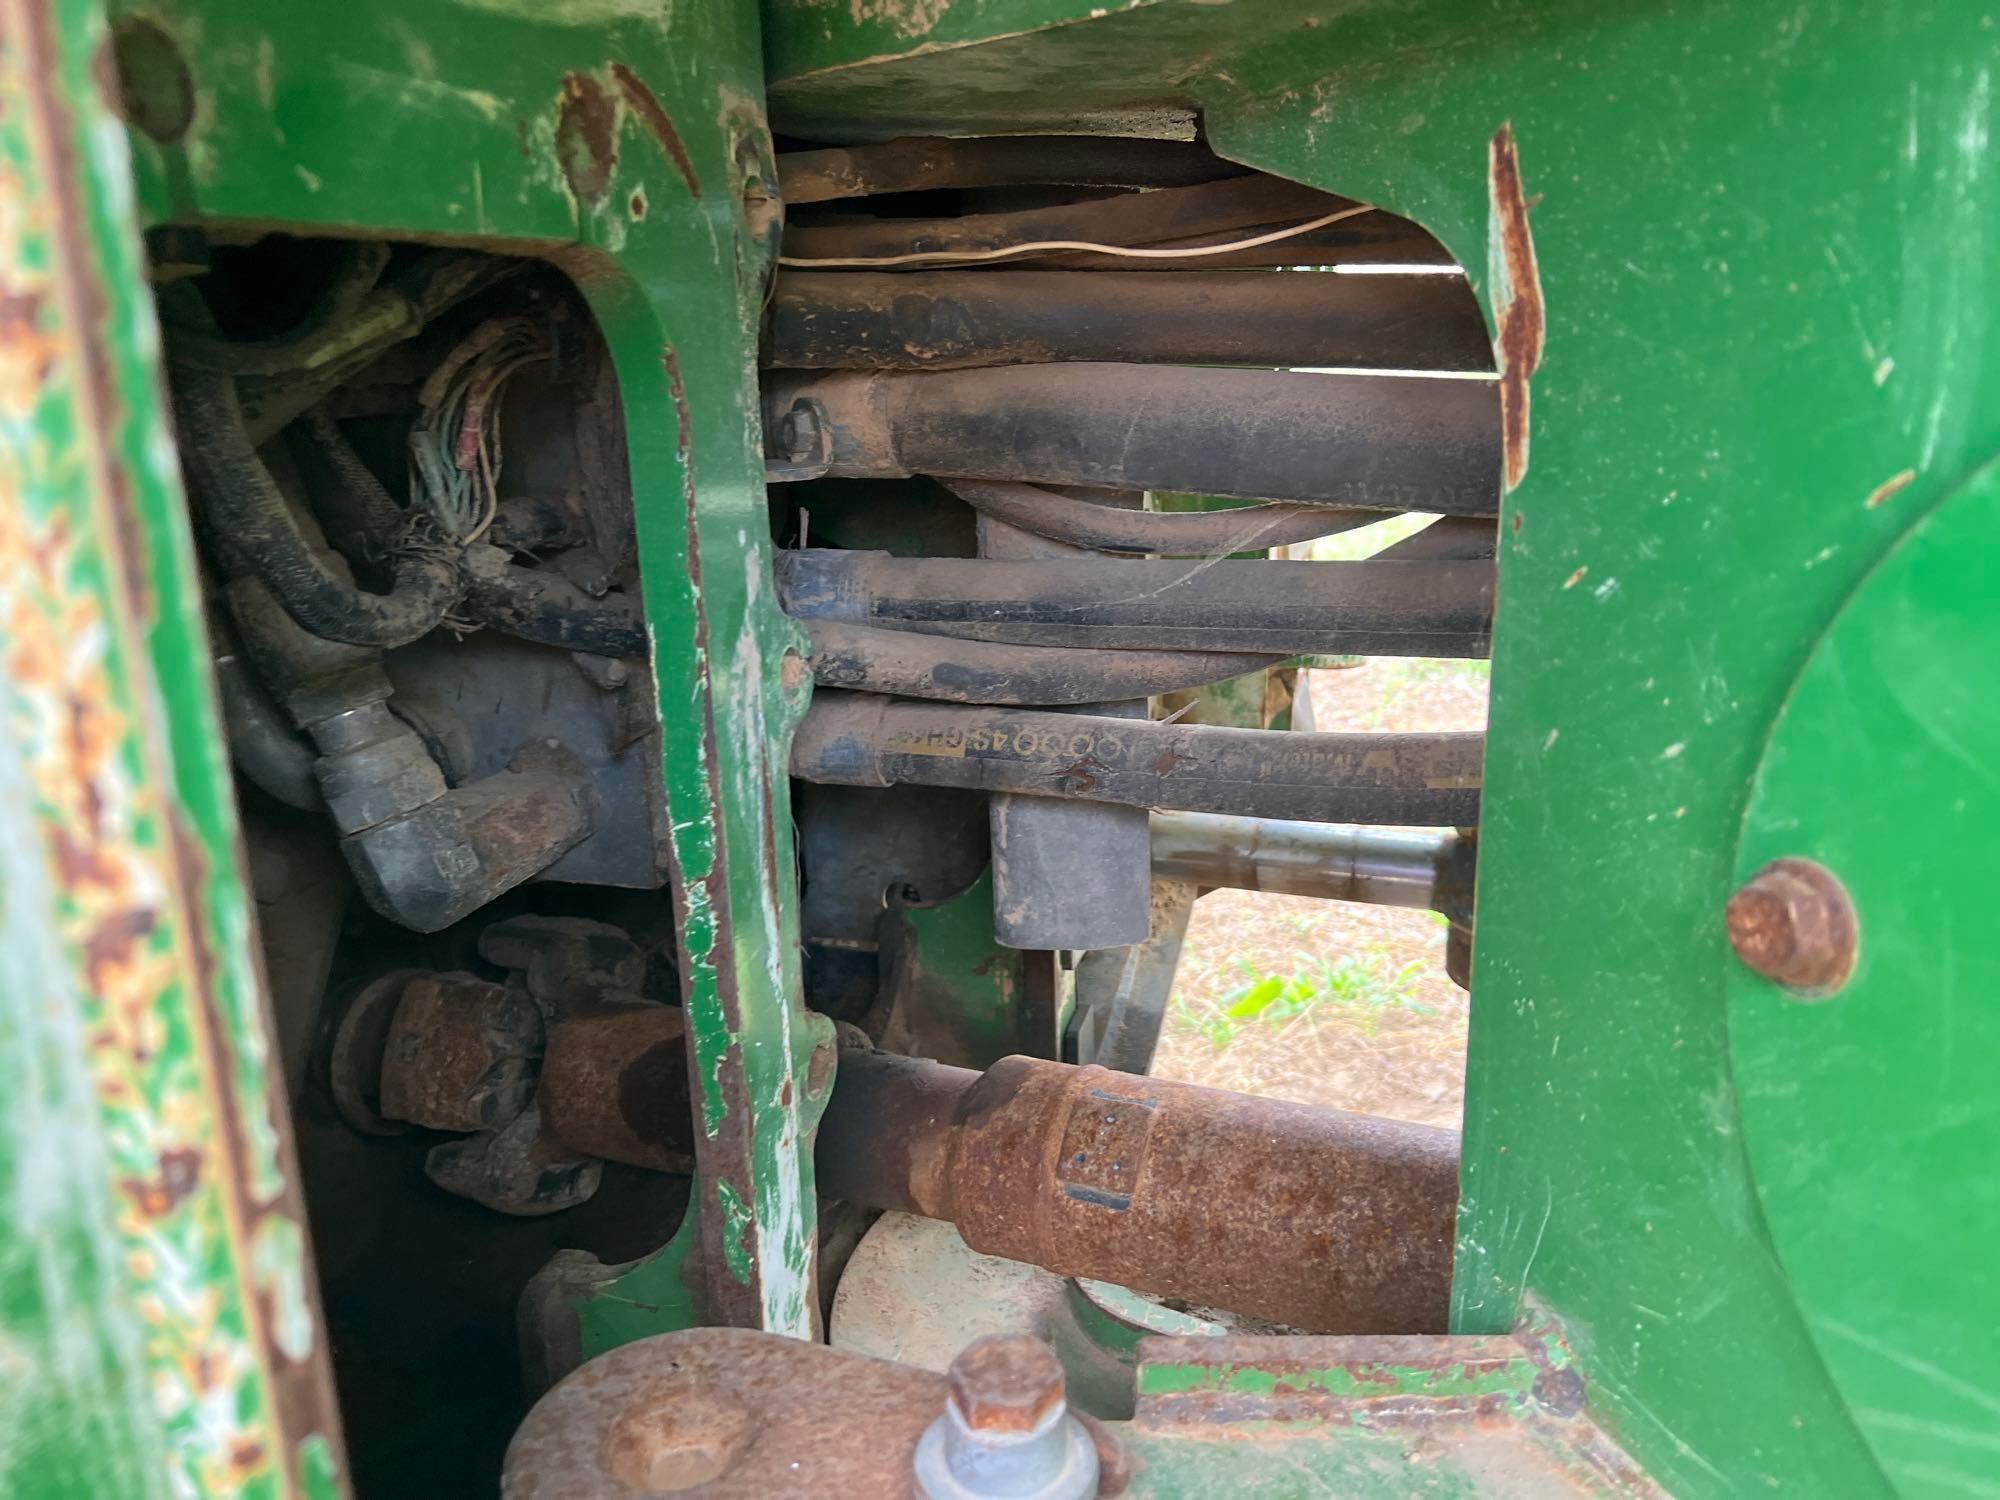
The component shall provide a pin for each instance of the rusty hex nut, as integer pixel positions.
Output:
(1006, 1382)
(1794, 923)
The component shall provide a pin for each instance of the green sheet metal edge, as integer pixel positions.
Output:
(191, 1218)
(308, 121)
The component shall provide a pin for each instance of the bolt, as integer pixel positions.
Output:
(1006, 1432)
(799, 434)
(1006, 1383)
(1793, 923)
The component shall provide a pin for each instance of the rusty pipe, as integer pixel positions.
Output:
(614, 1084)
(1361, 441)
(1326, 1221)
(611, 1082)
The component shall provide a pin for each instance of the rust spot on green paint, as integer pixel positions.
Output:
(1519, 311)
(659, 124)
(587, 138)
(1889, 488)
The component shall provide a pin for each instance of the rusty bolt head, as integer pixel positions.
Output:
(1006, 1382)
(1793, 922)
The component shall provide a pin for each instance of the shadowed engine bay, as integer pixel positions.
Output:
(1032, 503)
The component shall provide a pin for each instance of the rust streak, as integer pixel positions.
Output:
(1889, 488)
(659, 124)
(1522, 319)
(587, 138)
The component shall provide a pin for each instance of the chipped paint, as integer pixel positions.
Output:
(1889, 488)
(586, 138)
(906, 18)
(739, 1229)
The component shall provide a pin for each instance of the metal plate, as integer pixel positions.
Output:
(1870, 1117)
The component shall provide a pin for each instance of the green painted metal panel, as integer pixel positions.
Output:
(964, 993)
(1870, 1117)
(1763, 237)
(626, 142)
(1739, 257)
(158, 1333)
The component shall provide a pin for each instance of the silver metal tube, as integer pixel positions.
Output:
(1334, 861)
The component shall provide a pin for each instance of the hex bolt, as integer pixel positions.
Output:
(1006, 1433)
(800, 433)
(1794, 923)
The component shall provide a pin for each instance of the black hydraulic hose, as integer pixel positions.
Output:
(1347, 441)
(1280, 608)
(264, 746)
(907, 665)
(1108, 528)
(1426, 780)
(963, 319)
(1447, 539)
(354, 511)
(243, 506)
(535, 604)
(378, 512)
(431, 285)
(337, 326)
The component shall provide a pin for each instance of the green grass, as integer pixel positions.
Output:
(1359, 988)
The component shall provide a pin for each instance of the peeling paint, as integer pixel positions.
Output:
(907, 18)
(586, 138)
(1517, 301)
(738, 1224)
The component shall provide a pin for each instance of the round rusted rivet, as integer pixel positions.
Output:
(1794, 923)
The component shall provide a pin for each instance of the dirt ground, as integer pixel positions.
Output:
(1366, 1019)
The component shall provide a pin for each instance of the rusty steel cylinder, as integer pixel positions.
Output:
(615, 1085)
(1325, 1221)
